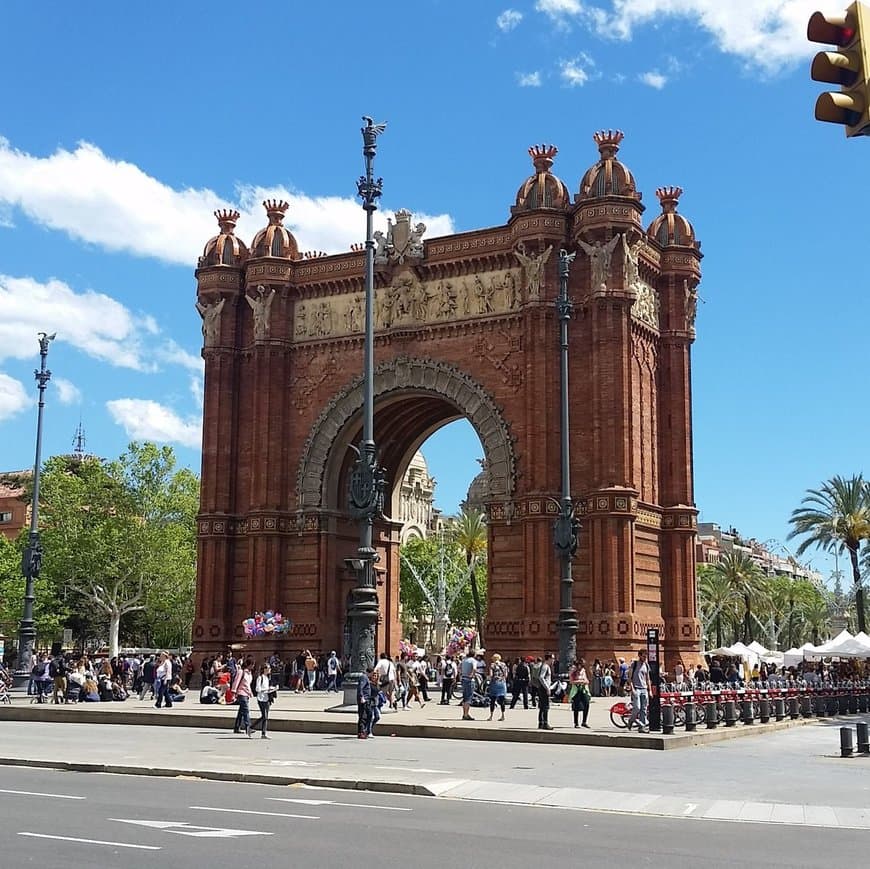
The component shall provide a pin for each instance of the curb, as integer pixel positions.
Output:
(651, 742)
(224, 776)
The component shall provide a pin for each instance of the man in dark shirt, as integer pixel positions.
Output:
(363, 702)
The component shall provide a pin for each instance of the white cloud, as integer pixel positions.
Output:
(766, 32)
(576, 72)
(197, 386)
(119, 207)
(529, 79)
(175, 354)
(13, 396)
(508, 20)
(654, 79)
(67, 392)
(142, 419)
(91, 322)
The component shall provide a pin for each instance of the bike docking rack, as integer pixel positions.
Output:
(761, 703)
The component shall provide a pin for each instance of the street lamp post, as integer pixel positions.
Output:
(567, 525)
(32, 560)
(367, 483)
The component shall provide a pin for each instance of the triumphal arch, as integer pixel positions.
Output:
(465, 326)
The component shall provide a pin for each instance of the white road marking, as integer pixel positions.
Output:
(33, 794)
(252, 812)
(334, 803)
(91, 841)
(182, 828)
(690, 807)
(290, 762)
(412, 769)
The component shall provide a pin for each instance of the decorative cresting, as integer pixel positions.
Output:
(275, 239)
(608, 177)
(427, 375)
(224, 249)
(669, 227)
(543, 189)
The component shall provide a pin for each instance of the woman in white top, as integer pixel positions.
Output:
(162, 677)
(242, 689)
(262, 689)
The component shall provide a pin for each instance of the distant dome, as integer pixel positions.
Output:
(275, 239)
(669, 227)
(478, 491)
(543, 189)
(608, 177)
(224, 249)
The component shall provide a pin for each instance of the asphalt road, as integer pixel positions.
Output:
(66, 820)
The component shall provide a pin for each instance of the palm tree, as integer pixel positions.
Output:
(837, 515)
(715, 598)
(741, 573)
(816, 615)
(468, 531)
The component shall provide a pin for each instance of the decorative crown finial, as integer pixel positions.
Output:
(275, 209)
(227, 219)
(669, 197)
(542, 156)
(608, 142)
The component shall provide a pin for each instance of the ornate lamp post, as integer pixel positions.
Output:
(32, 560)
(566, 526)
(367, 482)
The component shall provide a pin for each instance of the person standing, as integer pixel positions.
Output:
(520, 687)
(363, 703)
(242, 689)
(332, 669)
(545, 682)
(579, 691)
(58, 673)
(497, 685)
(386, 672)
(640, 691)
(263, 688)
(448, 676)
(423, 677)
(162, 678)
(310, 670)
(467, 671)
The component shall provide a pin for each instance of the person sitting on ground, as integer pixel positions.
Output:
(90, 690)
(176, 690)
(209, 694)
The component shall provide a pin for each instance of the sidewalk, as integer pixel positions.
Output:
(309, 713)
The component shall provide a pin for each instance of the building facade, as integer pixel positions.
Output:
(465, 327)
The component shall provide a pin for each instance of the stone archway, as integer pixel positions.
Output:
(402, 374)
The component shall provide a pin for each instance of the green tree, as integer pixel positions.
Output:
(121, 536)
(468, 530)
(815, 618)
(837, 515)
(716, 599)
(741, 573)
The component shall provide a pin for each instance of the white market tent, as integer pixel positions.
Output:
(793, 657)
(844, 645)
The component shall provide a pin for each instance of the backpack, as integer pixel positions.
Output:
(521, 673)
(449, 670)
(53, 670)
(535, 679)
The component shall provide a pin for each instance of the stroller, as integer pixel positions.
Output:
(5, 683)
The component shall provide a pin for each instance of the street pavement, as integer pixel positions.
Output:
(67, 820)
(795, 777)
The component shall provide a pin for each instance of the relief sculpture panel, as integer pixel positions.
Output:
(409, 303)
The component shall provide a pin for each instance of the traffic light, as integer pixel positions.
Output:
(848, 67)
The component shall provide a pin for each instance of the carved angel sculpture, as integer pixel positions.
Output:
(211, 321)
(261, 307)
(600, 256)
(533, 265)
(632, 269)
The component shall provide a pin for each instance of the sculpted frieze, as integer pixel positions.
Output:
(410, 303)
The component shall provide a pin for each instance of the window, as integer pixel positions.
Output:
(5, 517)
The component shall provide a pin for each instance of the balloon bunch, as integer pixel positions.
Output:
(266, 624)
(407, 648)
(459, 640)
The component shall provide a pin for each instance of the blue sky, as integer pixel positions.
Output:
(125, 126)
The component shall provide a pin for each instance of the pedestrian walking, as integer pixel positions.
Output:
(423, 677)
(332, 670)
(363, 703)
(520, 684)
(448, 676)
(545, 682)
(579, 693)
(162, 678)
(387, 676)
(640, 691)
(376, 702)
(497, 685)
(241, 688)
(263, 690)
(57, 671)
(467, 671)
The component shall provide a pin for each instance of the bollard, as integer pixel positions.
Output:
(853, 702)
(819, 705)
(862, 700)
(863, 737)
(667, 718)
(689, 707)
(846, 744)
(793, 711)
(833, 705)
(843, 702)
(764, 709)
(806, 706)
(730, 713)
(779, 709)
(746, 712)
(711, 717)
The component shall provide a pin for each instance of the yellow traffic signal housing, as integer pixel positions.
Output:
(848, 67)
